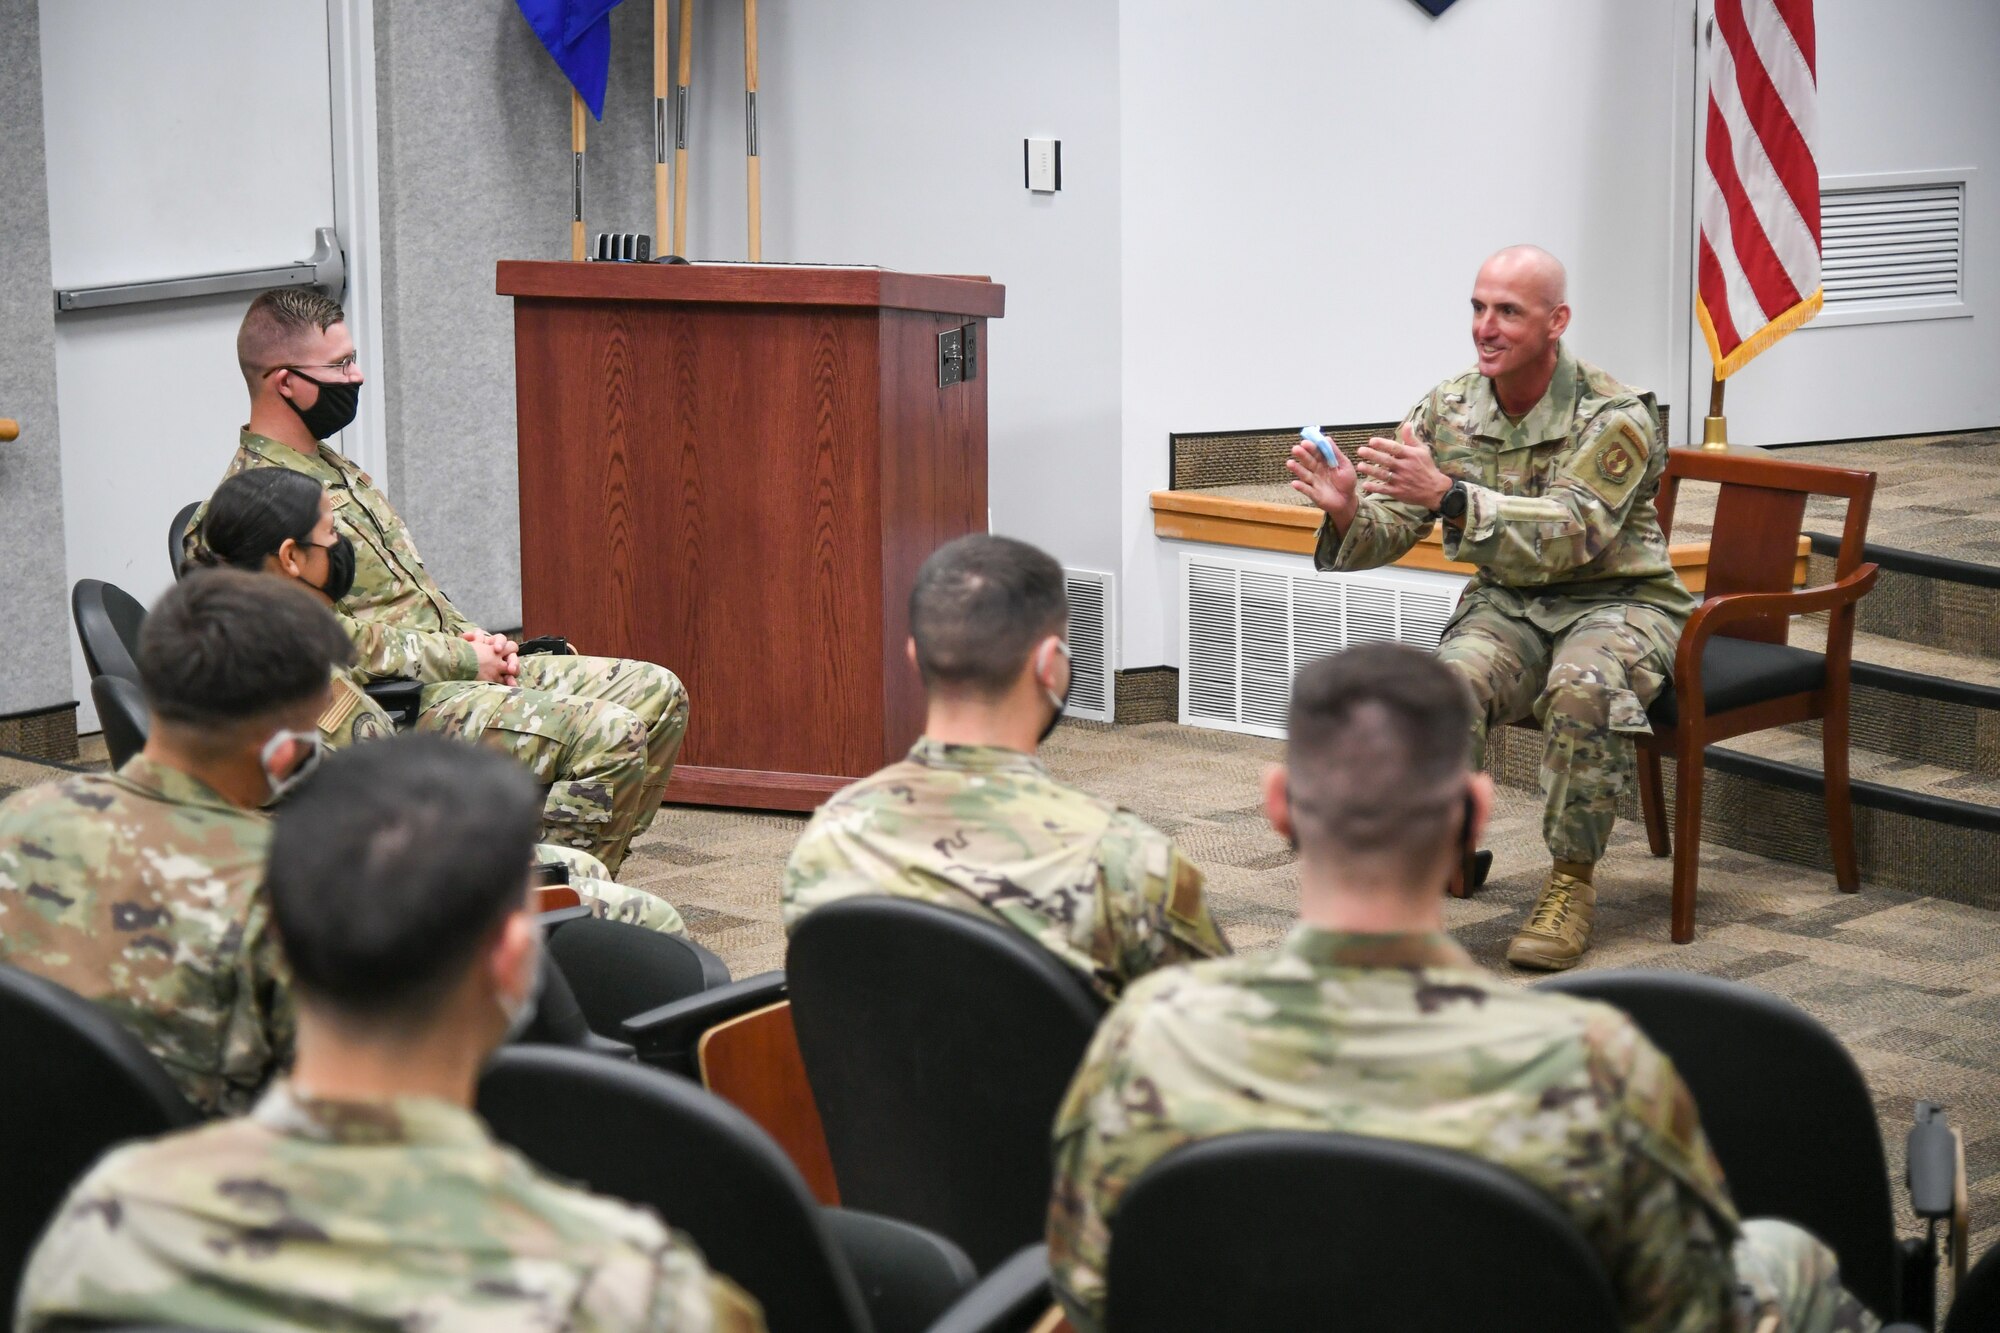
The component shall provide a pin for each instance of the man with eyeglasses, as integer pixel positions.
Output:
(599, 733)
(143, 890)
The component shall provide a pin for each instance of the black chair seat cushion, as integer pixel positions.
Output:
(1736, 673)
(908, 1276)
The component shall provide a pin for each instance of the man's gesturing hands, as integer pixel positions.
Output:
(1399, 469)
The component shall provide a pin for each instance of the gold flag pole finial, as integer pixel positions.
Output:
(1715, 428)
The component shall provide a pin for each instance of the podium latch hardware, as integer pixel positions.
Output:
(951, 358)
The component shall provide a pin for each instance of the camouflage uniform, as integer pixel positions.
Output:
(1576, 610)
(352, 716)
(311, 1215)
(142, 890)
(1403, 1037)
(600, 732)
(987, 831)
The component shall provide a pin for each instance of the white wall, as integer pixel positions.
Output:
(890, 132)
(1903, 88)
(1309, 189)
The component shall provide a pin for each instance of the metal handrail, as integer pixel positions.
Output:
(326, 270)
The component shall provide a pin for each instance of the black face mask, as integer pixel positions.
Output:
(333, 410)
(339, 568)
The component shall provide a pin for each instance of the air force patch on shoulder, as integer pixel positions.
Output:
(1615, 461)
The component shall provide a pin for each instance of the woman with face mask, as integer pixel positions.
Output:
(279, 522)
(272, 521)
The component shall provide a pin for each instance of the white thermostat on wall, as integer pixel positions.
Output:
(1041, 161)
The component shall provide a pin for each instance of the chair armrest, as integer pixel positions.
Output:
(402, 700)
(668, 1035)
(1011, 1297)
(557, 918)
(1719, 611)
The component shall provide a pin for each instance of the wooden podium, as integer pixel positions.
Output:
(735, 471)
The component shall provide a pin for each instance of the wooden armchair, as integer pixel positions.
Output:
(1734, 672)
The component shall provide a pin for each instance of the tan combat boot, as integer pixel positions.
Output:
(1558, 930)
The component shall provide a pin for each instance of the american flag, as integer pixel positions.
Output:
(1757, 276)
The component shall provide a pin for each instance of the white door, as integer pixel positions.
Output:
(1909, 162)
(182, 140)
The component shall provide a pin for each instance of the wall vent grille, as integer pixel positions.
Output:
(1092, 632)
(1247, 627)
(1888, 245)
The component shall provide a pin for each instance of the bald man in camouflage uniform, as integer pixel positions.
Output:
(351, 716)
(364, 1191)
(600, 733)
(1370, 1020)
(972, 821)
(142, 890)
(1543, 470)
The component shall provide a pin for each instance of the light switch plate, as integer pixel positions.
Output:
(1042, 164)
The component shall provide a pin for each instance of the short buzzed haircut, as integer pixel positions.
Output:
(223, 647)
(980, 605)
(1376, 754)
(391, 866)
(275, 324)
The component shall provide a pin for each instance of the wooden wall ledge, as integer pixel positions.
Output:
(1266, 525)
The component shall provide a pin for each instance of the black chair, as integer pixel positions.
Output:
(107, 625)
(1790, 1118)
(122, 713)
(1278, 1231)
(650, 1138)
(177, 535)
(939, 1047)
(618, 970)
(77, 1085)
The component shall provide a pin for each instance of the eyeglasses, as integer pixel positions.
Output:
(345, 367)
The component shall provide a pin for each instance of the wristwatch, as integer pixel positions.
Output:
(1453, 504)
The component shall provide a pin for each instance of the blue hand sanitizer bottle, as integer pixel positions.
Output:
(1315, 436)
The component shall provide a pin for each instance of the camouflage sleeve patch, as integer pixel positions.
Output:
(1612, 465)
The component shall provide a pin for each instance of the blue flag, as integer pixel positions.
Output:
(578, 34)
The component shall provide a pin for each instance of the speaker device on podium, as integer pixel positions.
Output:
(735, 471)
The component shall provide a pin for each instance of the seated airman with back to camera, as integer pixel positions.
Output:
(971, 820)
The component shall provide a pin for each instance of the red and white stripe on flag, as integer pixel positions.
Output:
(1757, 276)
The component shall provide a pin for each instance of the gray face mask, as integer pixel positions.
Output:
(283, 784)
(521, 1013)
(1058, 701)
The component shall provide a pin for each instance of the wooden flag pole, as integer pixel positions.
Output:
(1715, 430)
(577, 112)
(659, 123)
(681, 129)
(752, 171)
